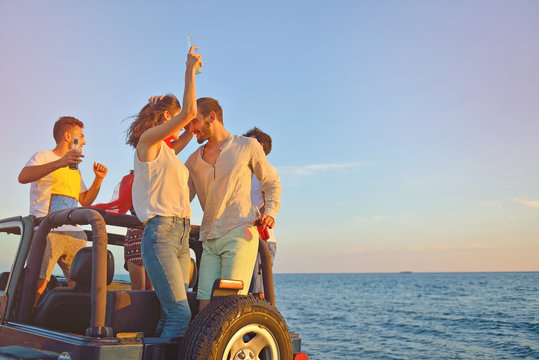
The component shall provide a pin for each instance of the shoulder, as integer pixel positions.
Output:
(41, 157)
(245, 143)
(244, 140)
(45, 154)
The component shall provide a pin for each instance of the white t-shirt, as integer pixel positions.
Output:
(160, 186)
(40, 190)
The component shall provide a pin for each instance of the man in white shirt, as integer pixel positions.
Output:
(56, 186)
(257, 199)
(220, 175)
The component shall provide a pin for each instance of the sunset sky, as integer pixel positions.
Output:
(405, 132)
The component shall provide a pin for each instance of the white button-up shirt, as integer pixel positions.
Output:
(224, 189)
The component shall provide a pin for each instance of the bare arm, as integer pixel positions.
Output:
(30, 174)
(183, 140)
(149, 143)
(88, 197)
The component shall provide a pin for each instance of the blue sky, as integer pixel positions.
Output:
(405, 132)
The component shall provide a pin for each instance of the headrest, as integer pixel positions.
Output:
(81, 267)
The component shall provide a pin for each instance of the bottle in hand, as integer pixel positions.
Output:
(262, 229)
(198, 70)
(75, 166)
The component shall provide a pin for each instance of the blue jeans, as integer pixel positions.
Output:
(165, 254)
(257, 283)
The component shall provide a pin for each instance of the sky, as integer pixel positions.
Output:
(404, 132)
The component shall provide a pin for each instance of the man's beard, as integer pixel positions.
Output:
(204, 133)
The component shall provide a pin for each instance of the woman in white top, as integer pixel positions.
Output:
(161, 199)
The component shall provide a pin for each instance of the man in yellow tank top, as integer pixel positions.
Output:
(56, 186)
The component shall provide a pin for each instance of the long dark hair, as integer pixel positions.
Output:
(150, 116)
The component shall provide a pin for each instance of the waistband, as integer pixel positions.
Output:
(176, 219)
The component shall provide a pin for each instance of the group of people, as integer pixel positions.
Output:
(230, 175)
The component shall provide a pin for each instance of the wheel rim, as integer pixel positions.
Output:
(252, 342)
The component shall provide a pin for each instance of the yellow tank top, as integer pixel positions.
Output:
(66, 182)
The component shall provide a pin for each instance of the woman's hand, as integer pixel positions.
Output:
(193, 59)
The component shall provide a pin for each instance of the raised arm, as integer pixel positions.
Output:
(182, 141)
(149, 143)
(88, 197)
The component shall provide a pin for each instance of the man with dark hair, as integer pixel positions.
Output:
(56, 186)
(263, 138)
(220, 173)
(258, 200)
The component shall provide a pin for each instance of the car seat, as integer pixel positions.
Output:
(68, 309)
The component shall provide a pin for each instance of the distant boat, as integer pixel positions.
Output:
(405, 272)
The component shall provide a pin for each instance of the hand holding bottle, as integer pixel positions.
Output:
(194, 61)
(262, 225)
(198, 70)
(75, 155)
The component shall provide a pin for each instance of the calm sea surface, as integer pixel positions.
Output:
(413, 316)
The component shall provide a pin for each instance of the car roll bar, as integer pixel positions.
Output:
(267, 272)
(82, 216)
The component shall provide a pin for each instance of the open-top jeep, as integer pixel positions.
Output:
(100, 318)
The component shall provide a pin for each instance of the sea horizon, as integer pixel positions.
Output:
(451, 315)
(409, 272)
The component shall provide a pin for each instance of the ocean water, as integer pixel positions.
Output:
(413, 316)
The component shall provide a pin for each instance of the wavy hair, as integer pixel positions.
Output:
(149, 116)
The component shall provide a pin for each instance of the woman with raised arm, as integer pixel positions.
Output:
(161, 200)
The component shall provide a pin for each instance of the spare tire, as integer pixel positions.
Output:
(237, 327)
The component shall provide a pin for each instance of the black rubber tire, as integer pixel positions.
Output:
(222, 324)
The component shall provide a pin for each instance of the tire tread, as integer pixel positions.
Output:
(204, 335)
